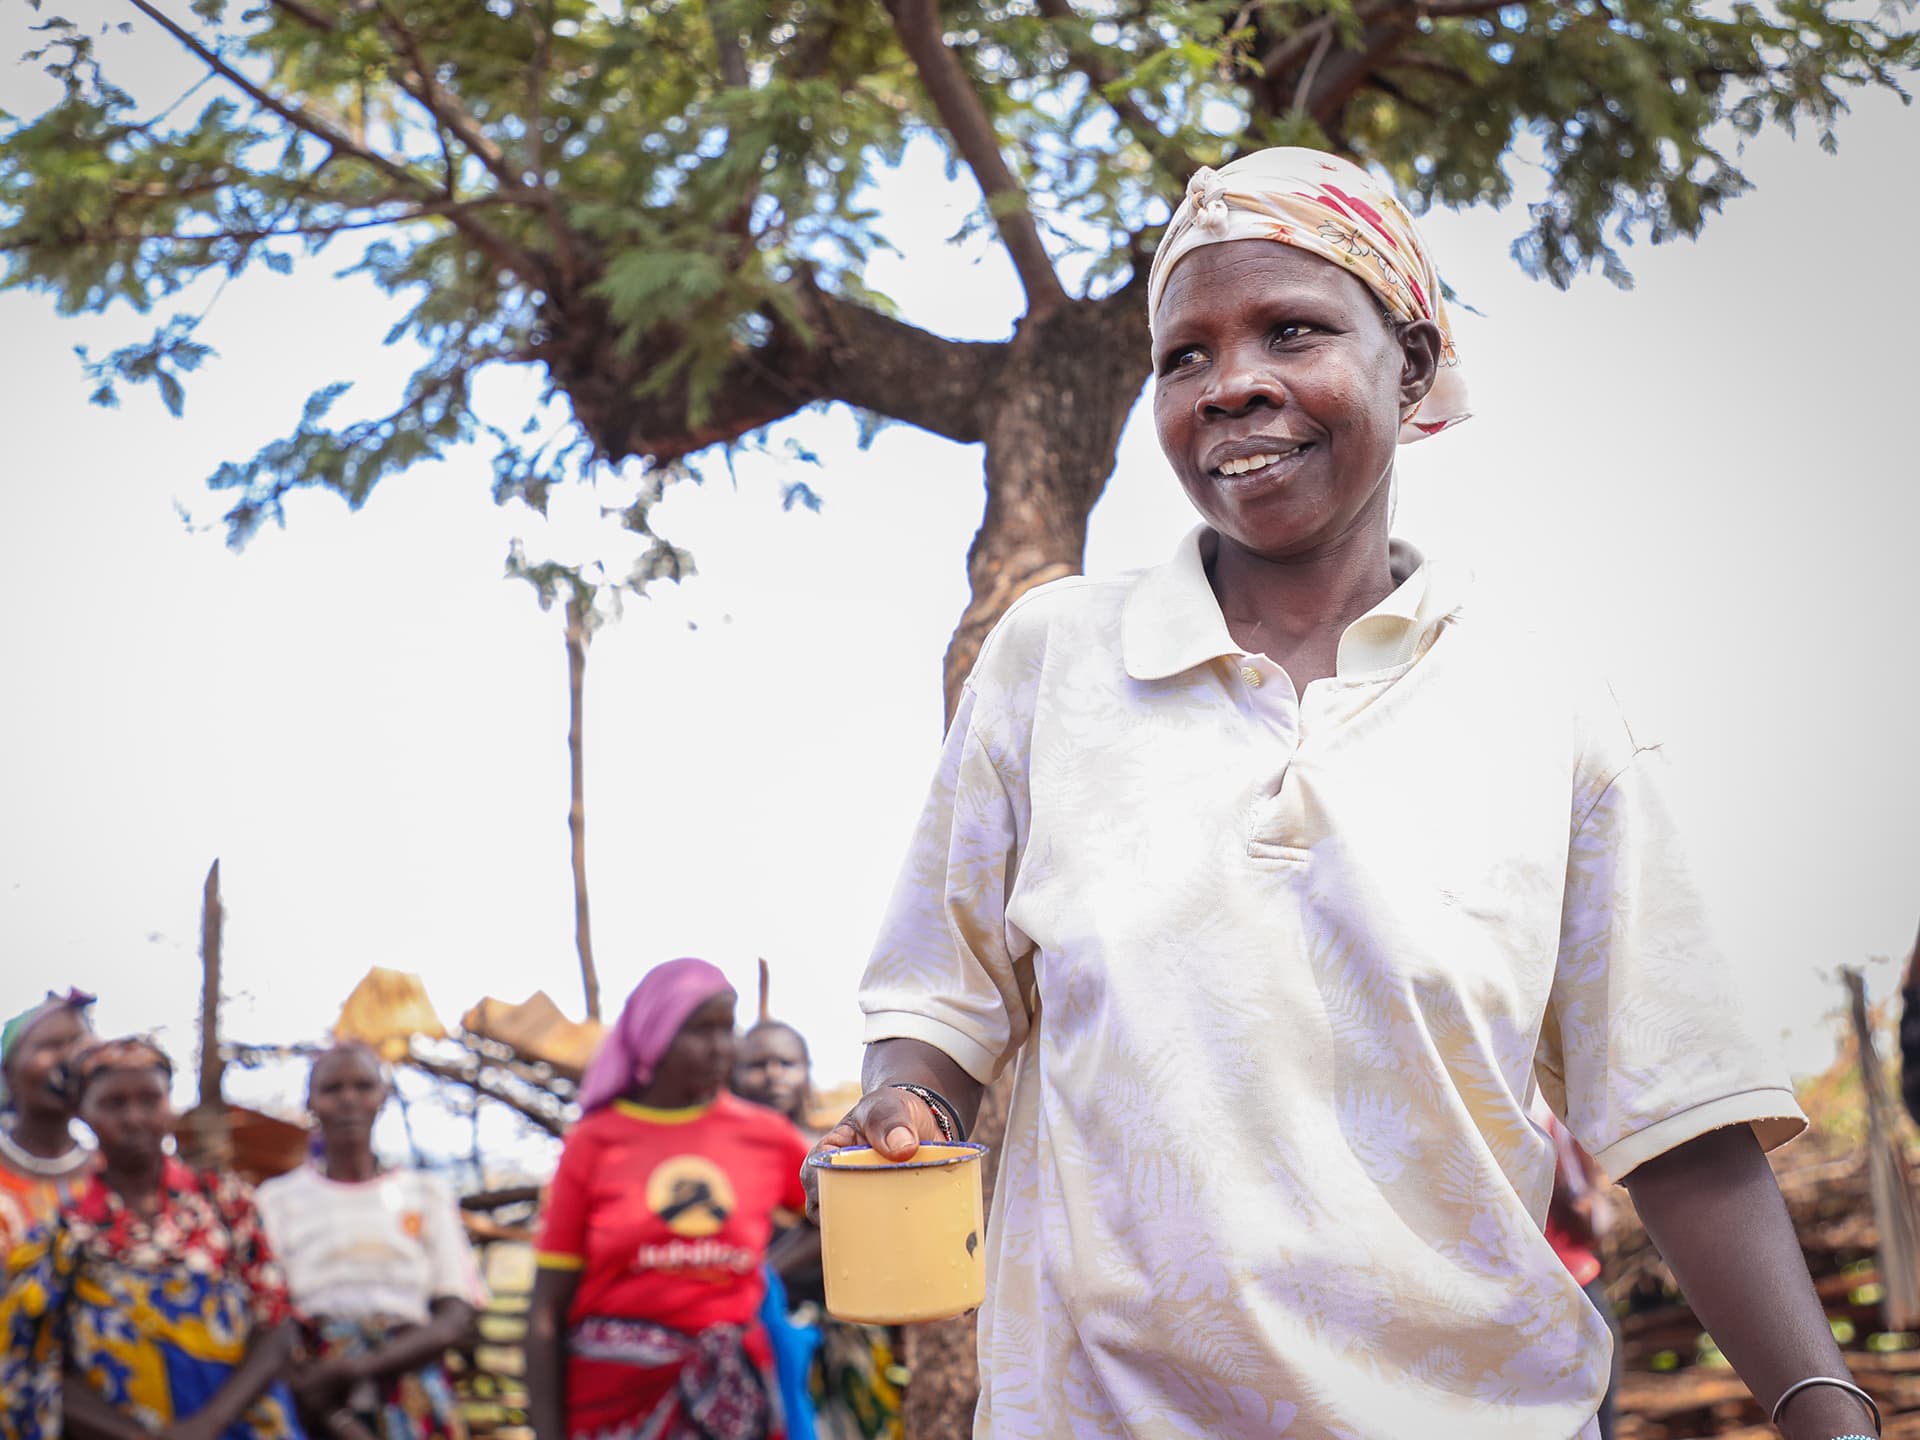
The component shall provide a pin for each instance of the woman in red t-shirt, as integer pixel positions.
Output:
(656, 1226)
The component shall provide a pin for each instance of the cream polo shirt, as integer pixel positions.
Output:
(1279, 977)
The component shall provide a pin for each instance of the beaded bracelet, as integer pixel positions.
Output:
(944, 1114)
(1847, 1385)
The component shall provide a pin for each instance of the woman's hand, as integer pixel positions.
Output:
(897, 1122)
(894, 1122)
(320, 1385)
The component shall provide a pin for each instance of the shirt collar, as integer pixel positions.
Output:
(1172, 622)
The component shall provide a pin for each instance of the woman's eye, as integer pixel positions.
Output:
(1293, 330)
(1178, 358)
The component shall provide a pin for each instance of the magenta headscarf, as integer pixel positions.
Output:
(655, 1011)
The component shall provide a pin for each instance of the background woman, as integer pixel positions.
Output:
(150, 1303)
(378, 1264)
(39, 1156)
(1283, 883)
(643, 1319)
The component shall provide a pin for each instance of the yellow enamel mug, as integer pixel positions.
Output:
(902, 1243)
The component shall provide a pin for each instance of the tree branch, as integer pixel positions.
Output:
(426, 211)
(1168, 153)
(442, 105)
(848, 352)
(866, 353)
(726, 43)
(917, 22)
(302, 120)
(553, 1123)
(502, 251)
(307, 15)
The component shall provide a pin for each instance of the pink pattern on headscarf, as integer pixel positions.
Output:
(659, 1005)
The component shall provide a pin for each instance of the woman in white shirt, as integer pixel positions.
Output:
(1282, 883)
(378, 1264)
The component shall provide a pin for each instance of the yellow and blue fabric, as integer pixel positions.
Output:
(152, 1315)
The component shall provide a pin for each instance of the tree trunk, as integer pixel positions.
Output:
(1053, 431)
(578, 635)
(1052, 421)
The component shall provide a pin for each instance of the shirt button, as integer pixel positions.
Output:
(1250, 675)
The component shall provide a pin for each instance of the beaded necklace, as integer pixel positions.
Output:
(39, 1166)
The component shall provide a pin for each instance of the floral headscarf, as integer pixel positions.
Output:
(1331, 208)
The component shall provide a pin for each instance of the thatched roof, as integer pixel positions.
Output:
(386, 1010)
(537, 1031)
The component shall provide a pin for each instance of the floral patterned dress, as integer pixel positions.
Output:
(153, 1315)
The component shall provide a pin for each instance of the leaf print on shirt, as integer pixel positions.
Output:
(1380, 1132)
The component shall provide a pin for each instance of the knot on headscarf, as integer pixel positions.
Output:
(1331, 208)
(1207, 199)
(659, 1005)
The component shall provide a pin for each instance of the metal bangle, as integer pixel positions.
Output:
(1812, 1380)
(944, 1115)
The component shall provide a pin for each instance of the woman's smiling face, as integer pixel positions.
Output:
(1280, 392)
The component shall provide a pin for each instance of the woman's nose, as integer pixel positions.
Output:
(1242, 382)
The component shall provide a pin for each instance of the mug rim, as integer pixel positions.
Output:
(822, 1160)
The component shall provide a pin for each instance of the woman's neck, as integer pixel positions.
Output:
(349, 1163)
(658, 1096)
(1295, 610)
(45, 1136)
(134, 1178)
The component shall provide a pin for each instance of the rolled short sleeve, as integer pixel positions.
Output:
(944, 969)
(1646, 1043)
(563, 1218)
(453, 1273)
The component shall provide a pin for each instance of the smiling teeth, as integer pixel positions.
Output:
(1251, 463)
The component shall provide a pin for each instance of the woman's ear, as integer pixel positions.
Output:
(1420, 347)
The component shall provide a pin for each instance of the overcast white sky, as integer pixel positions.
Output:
(1715, 473)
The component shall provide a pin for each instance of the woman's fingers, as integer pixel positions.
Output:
(894, 1122)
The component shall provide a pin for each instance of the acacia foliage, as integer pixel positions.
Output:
(669, 206)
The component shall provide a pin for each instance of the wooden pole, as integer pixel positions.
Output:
(1890, 1181)
(212, 1142)
(577, 637)
(211, 915)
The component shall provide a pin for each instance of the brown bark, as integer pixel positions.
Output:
(1052, 424)
(846, 352)
(578, 635)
